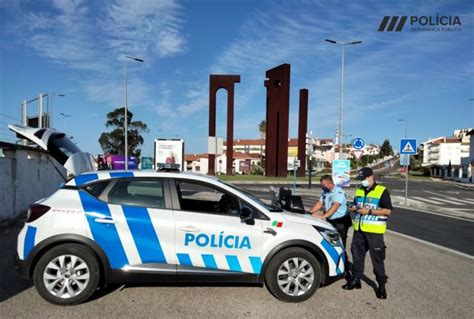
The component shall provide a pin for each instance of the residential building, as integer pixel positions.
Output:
(242, 163)
(443, 155)
(467, 156)
(255, 146)
(252, 146)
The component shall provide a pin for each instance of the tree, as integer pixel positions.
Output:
(386, 148)
(113, 142)
(262, 127)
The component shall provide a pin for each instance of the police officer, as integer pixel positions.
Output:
(333, 199)
(370, 210)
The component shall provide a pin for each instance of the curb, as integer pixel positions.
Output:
(449, 250)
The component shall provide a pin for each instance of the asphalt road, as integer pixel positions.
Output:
(451, 232)
(423, 282)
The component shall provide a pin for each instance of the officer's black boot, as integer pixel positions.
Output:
(351, 284)
(348, 276)
(381, 292)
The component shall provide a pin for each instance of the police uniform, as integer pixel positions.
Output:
(340, 219)
(369, 230)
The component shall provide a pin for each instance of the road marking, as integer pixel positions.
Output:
(467, 201)
(431, 201)
(467, 219)
(461, 200)
(451, 202)
(456, 252)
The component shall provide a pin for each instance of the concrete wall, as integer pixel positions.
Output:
(25, 177)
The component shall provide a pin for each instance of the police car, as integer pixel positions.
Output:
(137, 226)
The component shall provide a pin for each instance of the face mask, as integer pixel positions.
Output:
(365, 183)
(325, 189)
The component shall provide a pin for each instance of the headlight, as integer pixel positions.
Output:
(331, 236)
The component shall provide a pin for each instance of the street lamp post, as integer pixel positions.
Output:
(342, 87)
(406, 163)
(51, 113)
(126, 107)
(66, 116)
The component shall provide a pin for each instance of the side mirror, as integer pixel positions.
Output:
(246, 215)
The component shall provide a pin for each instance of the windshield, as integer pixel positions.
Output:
(269, 207)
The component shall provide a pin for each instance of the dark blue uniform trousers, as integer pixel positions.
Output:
(363, 242)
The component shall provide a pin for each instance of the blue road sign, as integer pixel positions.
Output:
(358, 143)
(408, 146)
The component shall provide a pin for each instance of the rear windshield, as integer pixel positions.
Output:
(61, 148)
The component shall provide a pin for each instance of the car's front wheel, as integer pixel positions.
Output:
(293, 275)
(67, 274)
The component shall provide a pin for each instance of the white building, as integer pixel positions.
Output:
(241, 163)
(443, 155)
(372, 149)
(256, 146)
(467, 156)
(252, 146)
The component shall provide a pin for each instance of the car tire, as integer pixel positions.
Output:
(293, 275)
(67, 274)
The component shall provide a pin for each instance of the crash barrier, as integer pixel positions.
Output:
(27, 175)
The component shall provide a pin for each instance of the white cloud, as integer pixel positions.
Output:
(92, 38)
(144, 27)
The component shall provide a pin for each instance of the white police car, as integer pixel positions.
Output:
(137, 226)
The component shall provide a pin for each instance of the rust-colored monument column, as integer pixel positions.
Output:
(278, 109)
(226, 82)
(302, 129)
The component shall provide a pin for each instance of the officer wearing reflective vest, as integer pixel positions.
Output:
(370, 210)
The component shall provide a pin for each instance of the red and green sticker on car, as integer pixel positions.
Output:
(277, 224)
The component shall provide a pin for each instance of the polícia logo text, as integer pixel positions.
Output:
(217, 240)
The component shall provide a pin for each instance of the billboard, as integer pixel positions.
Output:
(244, 167)
(341, 173)
(146, 163)
(113, 162)
(169, 154)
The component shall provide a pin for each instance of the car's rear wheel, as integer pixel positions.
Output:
(67, 274)
(293, 275)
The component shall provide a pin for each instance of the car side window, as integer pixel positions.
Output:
(96, 189)
(205, 198)
(138, 192)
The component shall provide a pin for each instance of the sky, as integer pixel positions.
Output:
(77, 48)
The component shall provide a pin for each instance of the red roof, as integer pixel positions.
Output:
(236, 155)
(194, 157)
(240, 155)
(447, 140)
(293, 142)
(259, 141)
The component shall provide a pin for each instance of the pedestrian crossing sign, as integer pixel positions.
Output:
(408, 146)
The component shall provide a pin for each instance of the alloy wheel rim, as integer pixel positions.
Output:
(295, 276)
(66, 276)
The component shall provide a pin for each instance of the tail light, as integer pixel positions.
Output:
(36, 211)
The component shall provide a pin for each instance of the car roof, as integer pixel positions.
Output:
(89, 177)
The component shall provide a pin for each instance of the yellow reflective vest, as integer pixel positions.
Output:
(369, 223)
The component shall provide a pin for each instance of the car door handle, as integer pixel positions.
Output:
(270, 231)
(105, 221)
(190, 229)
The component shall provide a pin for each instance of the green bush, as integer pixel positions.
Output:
(256, 169)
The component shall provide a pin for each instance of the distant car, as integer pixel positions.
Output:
(132, 226)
